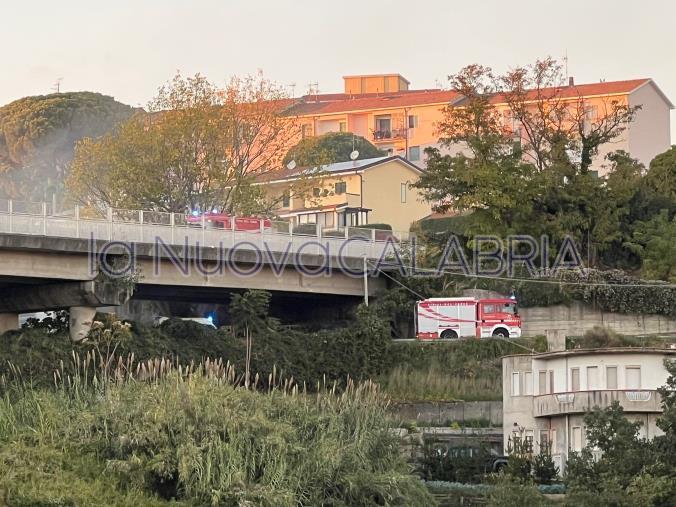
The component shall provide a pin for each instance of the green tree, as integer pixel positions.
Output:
(199, 147)
(654, 242)
(544, 468)
(667, 422)
(38, 136)
(661, 177)
(551, 122)
(249, 317)
(517, 173)
(329, 148)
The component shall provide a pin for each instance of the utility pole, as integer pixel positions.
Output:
(366, 282)
(57, 85)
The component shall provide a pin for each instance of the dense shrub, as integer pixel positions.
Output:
(200, 440)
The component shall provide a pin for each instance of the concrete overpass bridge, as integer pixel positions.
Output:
(83, 260)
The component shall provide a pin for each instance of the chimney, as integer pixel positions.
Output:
(571, 81)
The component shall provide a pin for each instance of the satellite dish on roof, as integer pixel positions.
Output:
(291, 165)
(354, 155)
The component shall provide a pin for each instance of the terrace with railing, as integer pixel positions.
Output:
(577, 402)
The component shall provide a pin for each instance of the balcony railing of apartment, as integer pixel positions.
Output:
(389, 135)
(632, 400)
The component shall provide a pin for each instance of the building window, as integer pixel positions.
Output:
(316, 192)
(576, 439)
(611, 377)
(306, 130)
(591, 112)
(402, 191)
(633, 377)
(414, 153)
(529, 440)
(341, 187)
(551, 381)
(516, 386)
(342, 126)
(325, 219)
(310, 218)
(383, 128)
(286, 200)
(592, 378)
(575, 379)
(528, 383)
(542, 382)
(552, 441)
(412, 121)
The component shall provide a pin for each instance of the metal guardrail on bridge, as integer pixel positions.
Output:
(138, 226)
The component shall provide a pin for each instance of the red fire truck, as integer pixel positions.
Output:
(449, 318)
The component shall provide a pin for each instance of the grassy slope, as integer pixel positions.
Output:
(468, 370)
(465, 370)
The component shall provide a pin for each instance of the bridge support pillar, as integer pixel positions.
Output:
(8, 322)
(81, 319)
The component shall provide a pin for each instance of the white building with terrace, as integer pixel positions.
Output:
(545, 396)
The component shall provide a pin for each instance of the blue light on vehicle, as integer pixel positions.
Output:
(195, 213)
(211, 317)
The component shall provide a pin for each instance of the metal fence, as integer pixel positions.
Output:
(138, 226)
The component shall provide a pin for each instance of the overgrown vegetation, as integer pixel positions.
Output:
(157, 433)
(601, 337)
(464, 370)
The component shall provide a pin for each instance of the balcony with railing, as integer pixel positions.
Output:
(578, 402)
(381, 136)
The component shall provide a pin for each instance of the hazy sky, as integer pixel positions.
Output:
(128, 48)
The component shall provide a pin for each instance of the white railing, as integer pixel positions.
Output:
(565, 398)
(138, 226)
(638, 395)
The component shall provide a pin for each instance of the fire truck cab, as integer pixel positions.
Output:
(449, 318)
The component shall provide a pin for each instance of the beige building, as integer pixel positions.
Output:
(545, 396)
(354, 193)
(403, 121)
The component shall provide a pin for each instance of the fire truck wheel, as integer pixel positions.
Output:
(501, 333)
(448, 334)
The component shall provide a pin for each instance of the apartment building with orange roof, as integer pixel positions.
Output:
(403, 121)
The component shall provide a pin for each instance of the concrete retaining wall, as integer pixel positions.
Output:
(442, 412)
(577, 318)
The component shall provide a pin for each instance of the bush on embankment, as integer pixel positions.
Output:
(466, 369)
(194, 437)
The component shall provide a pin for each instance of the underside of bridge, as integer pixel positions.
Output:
(150, 301)
(42, 273)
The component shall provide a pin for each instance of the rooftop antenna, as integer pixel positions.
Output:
(313, 88)
(57, 85)
(293, 89)
(565, 59)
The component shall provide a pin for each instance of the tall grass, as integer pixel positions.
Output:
(124, 432)
(435, 382)
(467, 370)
